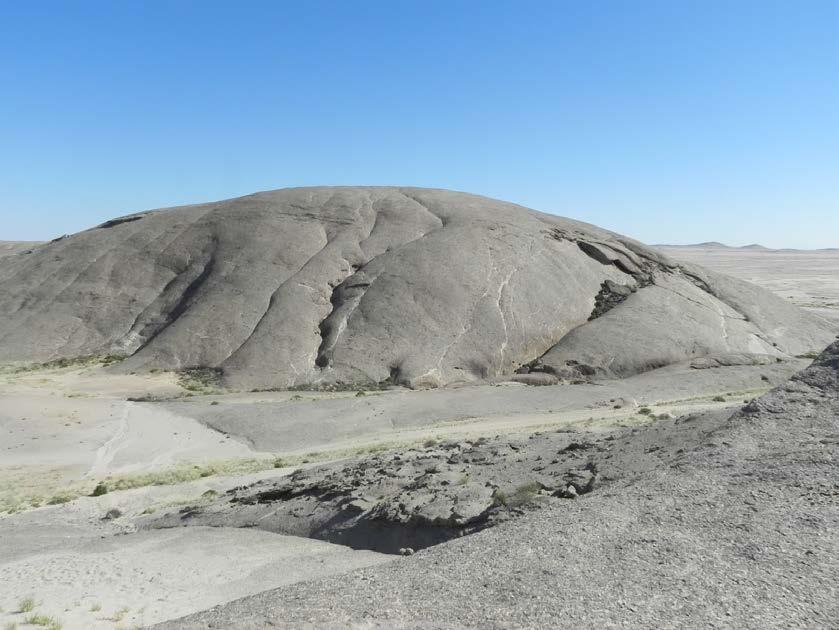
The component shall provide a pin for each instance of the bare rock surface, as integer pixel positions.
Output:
(420, 287)
(709, 522)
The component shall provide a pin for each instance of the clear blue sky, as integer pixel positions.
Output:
(669, 121)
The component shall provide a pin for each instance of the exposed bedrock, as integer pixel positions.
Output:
(315, 286)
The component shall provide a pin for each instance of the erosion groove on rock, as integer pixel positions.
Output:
(311, 287)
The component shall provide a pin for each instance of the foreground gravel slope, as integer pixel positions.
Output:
(420, 287)
(740, 530)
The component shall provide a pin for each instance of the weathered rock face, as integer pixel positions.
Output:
(421, 287)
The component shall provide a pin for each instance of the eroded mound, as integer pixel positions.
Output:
(312, 286)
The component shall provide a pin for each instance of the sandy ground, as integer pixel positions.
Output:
(64, 429)
(145, 577)
(135, 580)
(809, 279)
(89, 570)
(7, 248)
(305, 422)
(67, 429)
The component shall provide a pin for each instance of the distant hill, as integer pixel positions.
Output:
(361, 286)
(713, 245)
(753, 247)
(706, 245)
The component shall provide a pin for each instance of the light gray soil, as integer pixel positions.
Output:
(704, 522)
(306, 421)
(85, 565)
(8, 248)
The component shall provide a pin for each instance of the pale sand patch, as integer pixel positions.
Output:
(71, 559)
(67, 429)
(151, 576)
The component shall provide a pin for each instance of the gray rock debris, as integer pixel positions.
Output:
(424, 496)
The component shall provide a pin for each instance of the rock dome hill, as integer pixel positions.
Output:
(362, 285)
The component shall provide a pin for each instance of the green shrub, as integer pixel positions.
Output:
(200, 380)
(145, 398)
(108, 359)
(718, 399)
(81, 361)
(41, 620)
(100, 489)
(120, 614)
(26, 605)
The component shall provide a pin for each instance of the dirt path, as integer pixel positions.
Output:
(106, 453)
